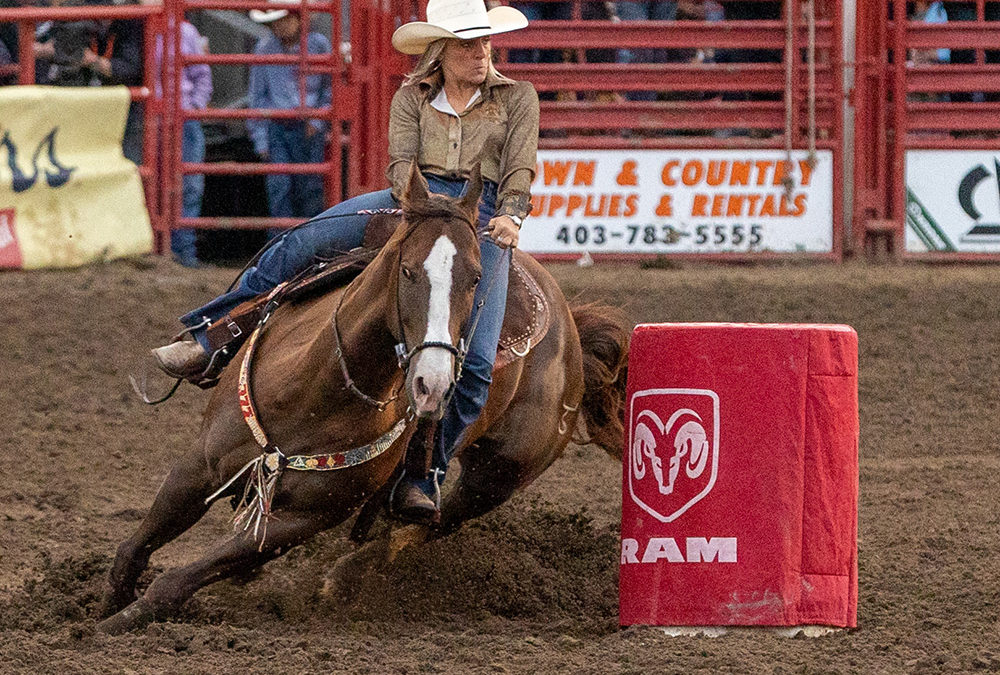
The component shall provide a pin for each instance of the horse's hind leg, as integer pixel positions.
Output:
(179, 504)
(237, 553)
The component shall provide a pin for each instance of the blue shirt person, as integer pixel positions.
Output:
(292, 141)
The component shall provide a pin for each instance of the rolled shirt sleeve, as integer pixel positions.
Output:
(404, 136)
(517, 159)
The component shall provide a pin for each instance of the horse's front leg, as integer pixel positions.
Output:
(237, 553)
(179, 504)
(345, 579)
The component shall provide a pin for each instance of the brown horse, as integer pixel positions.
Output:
(304, 399)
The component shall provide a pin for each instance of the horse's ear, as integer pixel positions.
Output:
(470, 201)
(416, 186)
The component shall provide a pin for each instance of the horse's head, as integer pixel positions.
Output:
(435, 283)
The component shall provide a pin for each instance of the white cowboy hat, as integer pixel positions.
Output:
(462, 19)
(269, 15)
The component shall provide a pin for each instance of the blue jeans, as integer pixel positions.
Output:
(295, 250)
(294, 195)
(655, 10)
(182, 242)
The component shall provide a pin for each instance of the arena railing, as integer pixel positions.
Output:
(342, 114)
(723, 84)
(910, 97)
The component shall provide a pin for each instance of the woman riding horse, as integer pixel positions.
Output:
(453, 112)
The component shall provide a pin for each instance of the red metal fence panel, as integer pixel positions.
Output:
(760, 80)
(342, 118)
(745, 77)
(754, 101)
(927, 96)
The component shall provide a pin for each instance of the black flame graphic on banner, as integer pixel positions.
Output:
(56, 175)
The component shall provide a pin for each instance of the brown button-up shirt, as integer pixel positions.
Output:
(499, 131)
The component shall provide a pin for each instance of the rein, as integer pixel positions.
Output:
(348, 380)
(254, 507)
(140, 387)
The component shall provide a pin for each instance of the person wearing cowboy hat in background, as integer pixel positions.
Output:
(288, 141)
(454, 111)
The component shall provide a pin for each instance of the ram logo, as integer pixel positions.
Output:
(672, 464)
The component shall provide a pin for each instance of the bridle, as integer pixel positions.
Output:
(405, 353)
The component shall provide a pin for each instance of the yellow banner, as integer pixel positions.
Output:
(67, 194)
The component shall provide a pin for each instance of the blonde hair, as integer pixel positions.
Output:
(430, 62)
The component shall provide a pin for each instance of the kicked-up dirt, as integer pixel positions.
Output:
(531, 587)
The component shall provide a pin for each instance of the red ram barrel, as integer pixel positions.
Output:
(740, 476)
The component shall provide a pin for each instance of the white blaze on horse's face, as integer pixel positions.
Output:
(432, 371)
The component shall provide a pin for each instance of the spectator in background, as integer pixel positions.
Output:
(663, 10)
(94, 53)
(6, 60)
(700, 10)
(196, 91)
(296, 141)
(544, 11)
(8, 43)
(929, 12)
(655, 10)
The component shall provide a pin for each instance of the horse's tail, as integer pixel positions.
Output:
(604, 336)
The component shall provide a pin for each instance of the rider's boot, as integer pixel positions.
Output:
(182, 359)
(412, 504)
(414, 498)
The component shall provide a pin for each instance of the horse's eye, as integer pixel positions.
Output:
(479, 277)
(406, 272)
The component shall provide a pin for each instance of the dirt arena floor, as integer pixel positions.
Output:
(532, 587)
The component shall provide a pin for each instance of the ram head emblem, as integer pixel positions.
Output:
(690, 447)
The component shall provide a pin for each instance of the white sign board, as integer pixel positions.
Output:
(679, 201)
(953, 201)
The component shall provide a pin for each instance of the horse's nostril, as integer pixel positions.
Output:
(420, 387)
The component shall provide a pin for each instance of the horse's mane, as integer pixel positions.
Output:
(434, 206)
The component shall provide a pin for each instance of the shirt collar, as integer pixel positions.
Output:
(442, 103)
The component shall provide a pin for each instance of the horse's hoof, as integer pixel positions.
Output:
(137, 615)
(114, 603)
